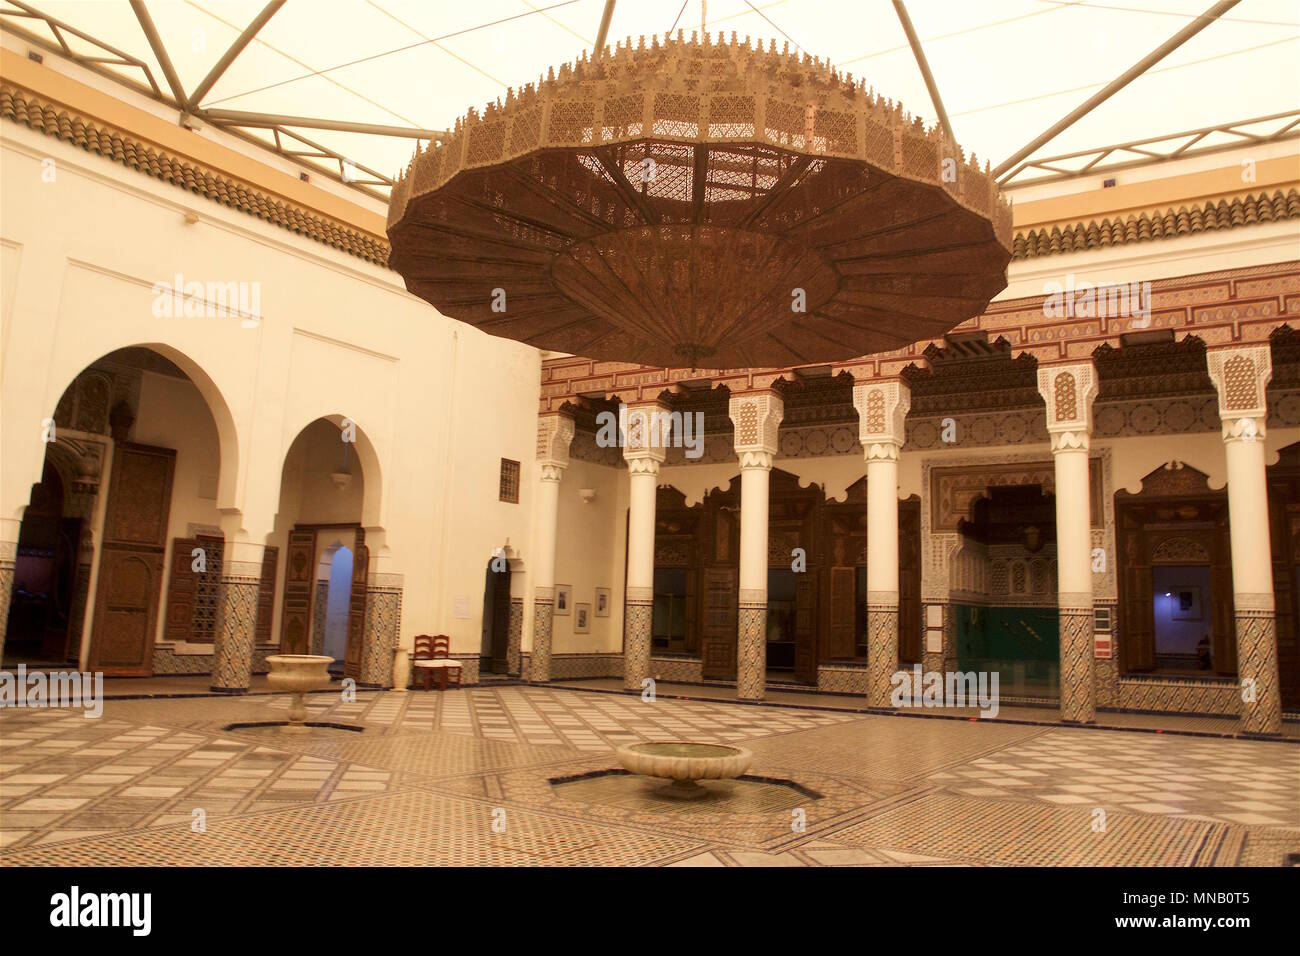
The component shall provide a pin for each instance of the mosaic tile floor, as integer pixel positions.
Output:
(514, 775)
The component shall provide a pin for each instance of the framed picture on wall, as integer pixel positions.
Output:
(563, 600)
(1186, 604)
(602, 602)
(582, 619)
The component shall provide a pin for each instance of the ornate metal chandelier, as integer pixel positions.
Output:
(688, 204)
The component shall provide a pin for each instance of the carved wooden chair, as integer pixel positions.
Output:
(432, 655)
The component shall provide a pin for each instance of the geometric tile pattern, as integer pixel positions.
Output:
(515, 632)
(1078, 701)
(1190, 778)
(6, 588)
(383, 623)
(1257, 656)
(751, 650)
(539, 667)
(636, 642)
(518, 775)
(236, 630)
(882, 651)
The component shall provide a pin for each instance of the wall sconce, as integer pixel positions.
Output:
(588, 495)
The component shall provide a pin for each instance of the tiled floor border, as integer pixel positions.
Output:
(918, 713)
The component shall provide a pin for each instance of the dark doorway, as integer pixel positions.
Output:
(1173, 539)
(496, 616)
(1006, 617)
(44, 578)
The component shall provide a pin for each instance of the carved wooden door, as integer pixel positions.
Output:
(1223, 617)
(692, 611)
(909, 582)
(266, 596)
(500, 620)
(718, 631)
(805, 628)
(182, 593)
(131, 562)
(357, 613)
(299, 585)
(1137, 617)
(1284, 539)
(841, 613)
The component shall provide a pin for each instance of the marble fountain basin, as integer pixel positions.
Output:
(296, 674)
(685, 762)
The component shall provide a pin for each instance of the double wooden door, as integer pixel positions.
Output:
(131, 562)
(1173, 534)
(300, 597)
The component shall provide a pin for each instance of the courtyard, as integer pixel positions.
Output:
(519, 775)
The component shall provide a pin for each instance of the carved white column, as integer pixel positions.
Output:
(755, 418)
(882, 413)
(1241, 374)
(554, 433)
(644, 451)
(1069, 391)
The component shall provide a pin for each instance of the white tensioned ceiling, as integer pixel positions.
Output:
(1006, 70)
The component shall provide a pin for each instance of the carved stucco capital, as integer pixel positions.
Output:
(645, 430)
(1241, 375)
(882, 417)
(1069, 391)
(761, 460)
(554, 434)
(756, 420)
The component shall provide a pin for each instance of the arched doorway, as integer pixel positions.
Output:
(1284, 537)
(1175, 576)
(142, 418)
(333, 600)
(1003, 588)
(495, 648)
(325, 490)
(39, 628)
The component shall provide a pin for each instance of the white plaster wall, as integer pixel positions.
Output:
(592, 543)
(439, 403)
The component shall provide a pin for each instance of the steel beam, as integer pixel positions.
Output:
(1188, 147)
(159, 51)
(236, 48)
(603, 32)
(92, 63)
(921, 61)
(272, 120)
(1114, 86)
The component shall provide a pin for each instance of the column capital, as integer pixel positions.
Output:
(1241, 374)
(756, 422)
(643, 462)
(1069, 390)
(882, 406)
(554, 434)
(644, 429)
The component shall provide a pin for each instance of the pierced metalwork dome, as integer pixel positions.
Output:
(687, 204)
